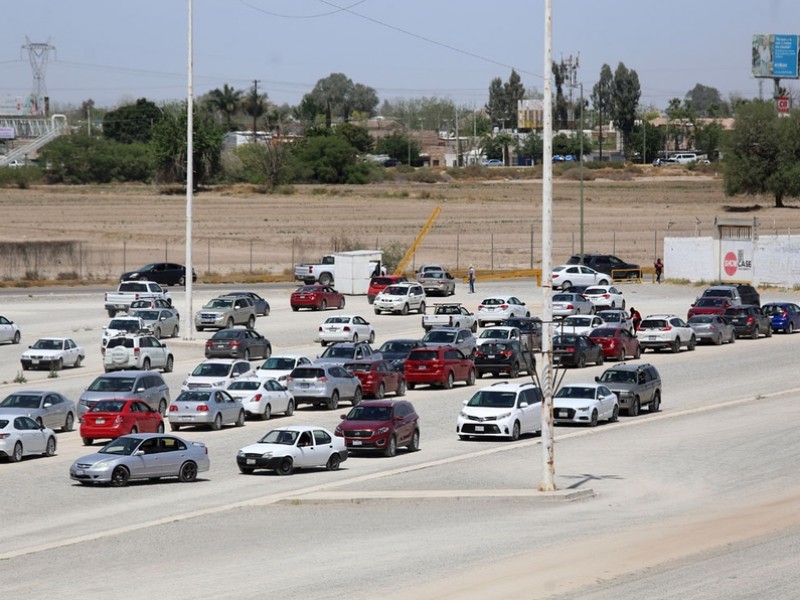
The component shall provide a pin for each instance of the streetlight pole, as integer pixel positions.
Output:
(188, 312)
(581, 134)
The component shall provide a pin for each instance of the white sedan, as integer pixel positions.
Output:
(22, 436)
(345, 328)
(296, 446)
(565, 276)
(579, 324)
(9, 332)
(262, 397)
(585, 404)
(604, 296)
(52, 353)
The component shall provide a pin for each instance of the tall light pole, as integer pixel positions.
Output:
(188, 322)
(581, 158)
(548, 463)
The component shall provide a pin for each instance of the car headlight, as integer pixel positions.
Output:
(503, 416)
(582, 409)
(219, 383)
(338, 431)
(240, 453)
(103, 464)
(463, 415)
(382, 430)
(625, 394)
(267, 454)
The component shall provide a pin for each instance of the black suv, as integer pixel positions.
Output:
(749, 320)
(749, 294)
(636, 385)
(503, 356)
(608, 264)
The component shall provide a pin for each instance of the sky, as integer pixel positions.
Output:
(115, 52)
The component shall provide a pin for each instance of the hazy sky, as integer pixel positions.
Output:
(114, 51)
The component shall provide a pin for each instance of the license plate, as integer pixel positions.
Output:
(79, 472)
(652, 337)
(422, 367)
(357, 443)
(100, 421)
(251, 461)
(35, 361)
(563, 413)
(304, 386)
(478, 427)
(491, 356)
(187, 418)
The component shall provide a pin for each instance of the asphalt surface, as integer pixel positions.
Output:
(699, 500)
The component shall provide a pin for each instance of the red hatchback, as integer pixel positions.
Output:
(378, 378)
(378, 284)
(380, 425)
(316, 297)
(616, 342)
(110, 419)
(440, 366)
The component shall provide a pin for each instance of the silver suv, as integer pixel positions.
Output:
(457, 337)
(141, 385)
(141, 352)
(225, 312)
(323, 385)
(400, 298)
(636, 385)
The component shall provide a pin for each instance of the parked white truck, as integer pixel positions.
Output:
(324, 272)
(450, 315)
(128, 291)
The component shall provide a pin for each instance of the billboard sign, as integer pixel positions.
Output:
(22, 106)
(775, 56)
(8, 133)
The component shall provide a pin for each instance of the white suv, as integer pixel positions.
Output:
(665, 331)
(400, 298)
(141, 352)
(502, 410)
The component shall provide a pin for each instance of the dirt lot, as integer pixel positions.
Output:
(494, 224)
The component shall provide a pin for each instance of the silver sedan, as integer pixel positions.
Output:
(213, 408)
(569, 303)
(47, 408)
(142, 456)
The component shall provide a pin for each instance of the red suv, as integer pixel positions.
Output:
(380, 425)
(378, 378)
(442, 366)
(378, 284)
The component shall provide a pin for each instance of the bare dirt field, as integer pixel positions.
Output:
(494, 224)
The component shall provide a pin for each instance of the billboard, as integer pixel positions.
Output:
(22, 106)
(775, 56)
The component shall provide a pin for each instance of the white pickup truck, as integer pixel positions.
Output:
(128, 291)
(325, 272)
(450, 315)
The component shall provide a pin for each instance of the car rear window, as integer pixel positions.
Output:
(193, 397)
(227, 334)
(244, 385)
(604, 332)
(423, 355)
(653, 324)
(125, 342)
(493, 301)
(701, 319)
(719, 292)
(773, 310)
(736, 312)
(376, 281)
(307, 373)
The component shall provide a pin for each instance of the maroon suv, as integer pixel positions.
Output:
(441, 365)
(378, 378)
(380, 425)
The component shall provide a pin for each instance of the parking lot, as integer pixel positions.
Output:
(458, 519)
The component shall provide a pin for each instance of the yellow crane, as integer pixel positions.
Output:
(401, 266)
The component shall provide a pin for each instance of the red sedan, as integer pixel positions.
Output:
(708, 305)
(110, 419)
(441, 366)
(616, 342)
(316, 297)
(378, 378)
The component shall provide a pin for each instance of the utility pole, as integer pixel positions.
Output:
(255, 109)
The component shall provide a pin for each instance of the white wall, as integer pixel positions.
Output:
(777, 260)
(690, 258)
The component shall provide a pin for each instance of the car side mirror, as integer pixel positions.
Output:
(465, 402)
(48, 404)
(30, 346)
(523, 404)
(140, 390)
(597, 379)
(342, 416)
(139, 453)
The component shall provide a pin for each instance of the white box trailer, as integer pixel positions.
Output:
(354, 269)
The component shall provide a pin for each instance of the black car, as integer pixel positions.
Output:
(749, 294)
(609, 264)
(749, 320)
(163, 272)
(397, 351)
(576, 350)
(238, 342)
(503, 356)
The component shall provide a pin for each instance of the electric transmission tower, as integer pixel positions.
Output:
(38, 54)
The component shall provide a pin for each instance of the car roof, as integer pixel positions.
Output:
(388, 402)
(297, 428)
(119, 374)
(505, 386)
(661, 316)
(629, 367)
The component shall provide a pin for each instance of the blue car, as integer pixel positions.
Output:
(785, 316)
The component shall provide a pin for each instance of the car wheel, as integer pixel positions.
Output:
(603, 282)
(514, 372)
(357, 396)
(371, 337)
(615, 414)
(247, 354)
(355, 338)
(638, 352)
(656, 404)
(267, 414)
(733, 337)
(295, 309)
(718, 339)
(404, 311)
(333, 401)
(377, 311)
(119, 477)
(240, 419)
(448, 385)
(463, 438)
(623, 305)
(160, 428)
(217, 423)
(621, 353)
(289, 409)
(285, 467)
(341, 303)
(581, 362)
(200, 328)
(401, 388)
(59, 364)
(112, 314)
(692, 343)
(391, 447)
(600, 358)
(182, 280)
(755, 333)
(323, 305)
(474, 328)
(69, 422)
(633, 411)
(170, 364)
(411, 385)
(515, 431)
(162, 407)
(333, 462)
(593, 422)
(325, 279)
(769, 332)
(251, 322)
(566, 285)
(88, 441)
(78, 362)
(16, 455)
(413, 445)
(471, 377)
(789, 328)
(146, 364)
(381, 392)
(188, 472)
(50, 450)
(157, 333)
(613, 304)
(229, 324)
(174, 426)
(676, 345)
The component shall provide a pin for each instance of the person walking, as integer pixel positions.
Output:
(471, 276)
(659, 267)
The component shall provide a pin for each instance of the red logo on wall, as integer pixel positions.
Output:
(730, 264)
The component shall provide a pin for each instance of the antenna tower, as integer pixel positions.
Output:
(38, 54)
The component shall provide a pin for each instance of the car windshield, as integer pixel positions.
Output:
(276, 363)
(369, 413)
(122, 446)
(146, 315)
(339, 352)
(602, 332)
(21, 401)
(615, 376)
(112, 384)
(193, 397)
(575, 391)
(219, 303)
(47, 345)
(211, 370)
(439, 337)
(396, 347)
(278, 436)
(112, 406)
(578, 322)
(244, 385)
(493, 399)
(124, 324)
(501, 334)
(395, 290)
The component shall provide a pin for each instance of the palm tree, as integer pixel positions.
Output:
(255, 105)
(227, 101)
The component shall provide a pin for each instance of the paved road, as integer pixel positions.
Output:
(708, 483)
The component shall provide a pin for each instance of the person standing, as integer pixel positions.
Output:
(659, 267)
(471, 276)
(636, 318)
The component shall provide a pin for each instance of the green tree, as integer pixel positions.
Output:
(513, 91)
(503, 99)
(264, 164)
(79, 158)
(652, 143)
(560, 108)
(499, 146)
(337, 96)
(356, 136)
(603, 99)
(532, 147)
(132, 123)
(362, 99)
(708, 138)
(329, 159)
(226, 101)
(400, 147)
(626, 92)
(255, 105)
(496, 107)
(707, 101)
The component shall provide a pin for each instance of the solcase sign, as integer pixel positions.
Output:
(737, 262)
